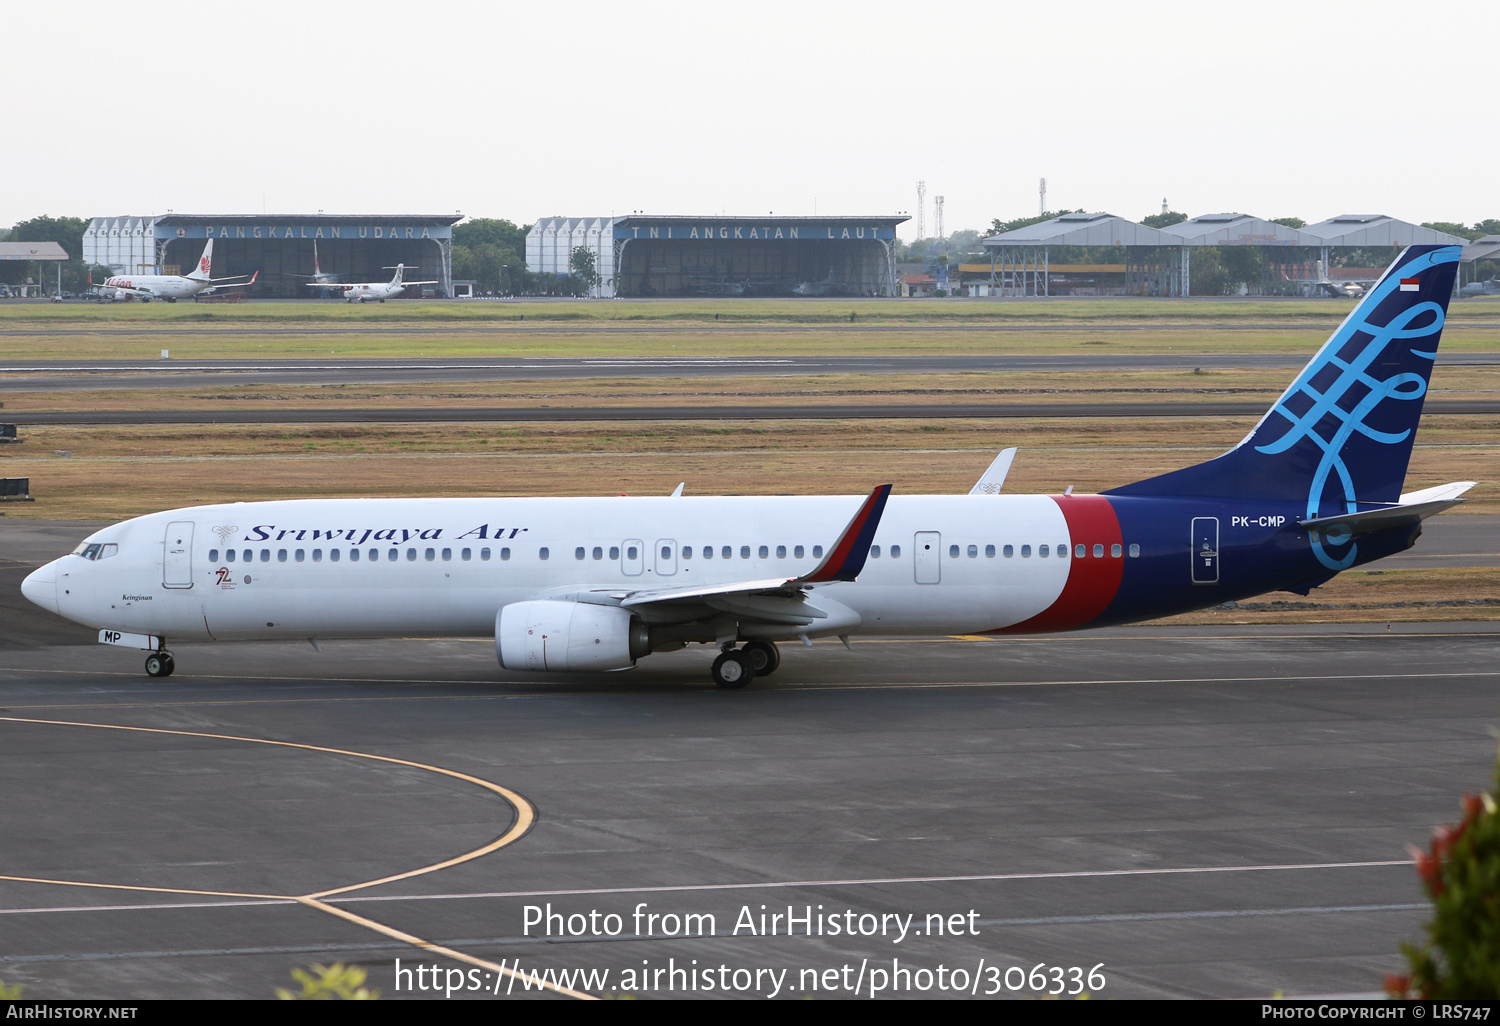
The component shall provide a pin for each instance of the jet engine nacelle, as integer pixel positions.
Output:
(545, 634)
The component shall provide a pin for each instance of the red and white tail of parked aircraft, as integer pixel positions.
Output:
(367, 291)
(172, 287)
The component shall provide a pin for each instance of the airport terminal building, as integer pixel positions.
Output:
(640, 255)
(279, 247)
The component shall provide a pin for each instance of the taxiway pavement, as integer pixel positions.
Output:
(1208, 812)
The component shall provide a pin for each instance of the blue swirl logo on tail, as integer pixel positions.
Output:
(1343, 404)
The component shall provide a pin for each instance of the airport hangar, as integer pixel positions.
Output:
(1158, 261)
(355, 247)
(638, 255)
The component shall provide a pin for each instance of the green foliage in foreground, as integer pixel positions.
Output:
(328, 982)
(1460, 959)
(10, 993)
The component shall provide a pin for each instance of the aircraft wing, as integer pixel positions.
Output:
(132, 291)
(993, 479)
(232, 285)
(328, 284)
(419, 283)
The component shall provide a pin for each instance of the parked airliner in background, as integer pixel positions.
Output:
(172, 287)
(597, 583)
(318, 279)
(380, 291)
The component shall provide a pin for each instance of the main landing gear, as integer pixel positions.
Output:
(160, 664)
(735, 667)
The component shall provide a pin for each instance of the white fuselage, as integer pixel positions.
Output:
(330, 568)
(371, 291)
(155, 286)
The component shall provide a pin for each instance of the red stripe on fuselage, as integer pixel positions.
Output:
(1092, 581)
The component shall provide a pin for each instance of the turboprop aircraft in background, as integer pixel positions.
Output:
(588, 584)
(172, 287)
(815, 288)
(365, 291)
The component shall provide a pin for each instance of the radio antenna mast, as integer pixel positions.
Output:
(1042, 206)
(921, 210)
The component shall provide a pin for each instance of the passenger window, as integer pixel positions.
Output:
(1042, 551)
(374, 555)
(317, 555)
(1025, 551)
(875, 551)
(974, 551)
(1098, 551)
(1114, 550)
(411, 555)
(228, 555)
(265, 555)
(598, 552)
(1135, 551)
(504, 553)
(544, 553)
(429, 555)
(817, 552)
(447, 555)
(630, 552)
(744, 552)
(465, 554)
(391, 555)
(726, 552)
(989, 551)
(1079, 551)
(1009, 551)
(299, 555)
(213, 555)
(687, 552)
(781, 552)
(952, 551)
(614, 552)
(797, 552)
(895, 552)
(333, 554)
(666, 552)
(764, 552)
(248, 556)
(708, 552)
(1062, 552)
(579, 553)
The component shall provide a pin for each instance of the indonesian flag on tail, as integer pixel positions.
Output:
(1410, 284)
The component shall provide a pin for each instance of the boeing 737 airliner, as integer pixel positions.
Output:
(574, 584)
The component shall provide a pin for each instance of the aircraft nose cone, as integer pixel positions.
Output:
(40, 586)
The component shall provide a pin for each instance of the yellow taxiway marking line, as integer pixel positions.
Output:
(525, 816)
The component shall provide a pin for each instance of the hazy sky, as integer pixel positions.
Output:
(520, 110)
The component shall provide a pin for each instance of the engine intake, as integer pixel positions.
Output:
(545, 634)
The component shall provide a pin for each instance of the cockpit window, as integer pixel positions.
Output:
(98, 550)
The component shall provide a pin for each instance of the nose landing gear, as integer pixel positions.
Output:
(160, 664)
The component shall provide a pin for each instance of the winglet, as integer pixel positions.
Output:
(847, 556)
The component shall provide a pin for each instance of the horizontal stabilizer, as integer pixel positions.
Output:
(1414, 506)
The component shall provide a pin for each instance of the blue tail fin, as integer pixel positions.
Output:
(1341, 435)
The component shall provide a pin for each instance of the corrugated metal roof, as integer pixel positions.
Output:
(1376, 230)
(1486, 248)
(32, 251)
(1095, 229)
(218, 220)
(1235, 229)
